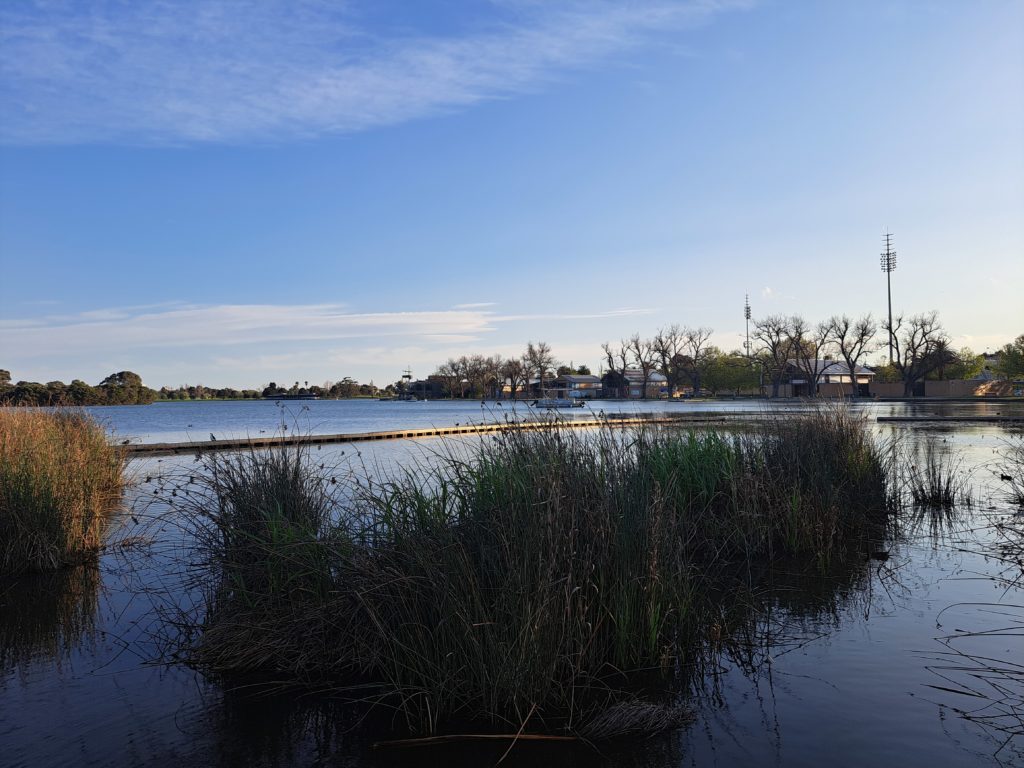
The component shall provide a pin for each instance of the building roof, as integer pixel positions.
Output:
(829, 367)
(636, 376)
(577, 378)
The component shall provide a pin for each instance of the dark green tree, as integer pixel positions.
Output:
(126, 388)
(1011, 359)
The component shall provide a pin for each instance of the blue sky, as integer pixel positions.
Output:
(237, 192)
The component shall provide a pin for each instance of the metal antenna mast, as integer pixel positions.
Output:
(746, 317)
(888, 262)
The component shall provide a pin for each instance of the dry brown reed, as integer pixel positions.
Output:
(59, 480)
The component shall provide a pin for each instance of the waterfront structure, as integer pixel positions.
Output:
(629, 385)
(834, 379)
(576, 387)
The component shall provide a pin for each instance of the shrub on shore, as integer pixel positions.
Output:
(525, 580)
(59, 479)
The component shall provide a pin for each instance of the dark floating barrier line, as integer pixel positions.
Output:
(401, 434)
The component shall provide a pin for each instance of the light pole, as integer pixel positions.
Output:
(746, 317)
(888, 262)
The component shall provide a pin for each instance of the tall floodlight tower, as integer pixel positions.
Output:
(888, 262)
(746, 317)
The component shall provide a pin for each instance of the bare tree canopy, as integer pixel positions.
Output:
(694, 357)
(808, 346)
(854, 339)
(643, 356)
(539, 360)
(920, 345)
(514, 371)
(668, 345)
(773, 334)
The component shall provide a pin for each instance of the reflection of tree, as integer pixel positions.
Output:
(44, 616)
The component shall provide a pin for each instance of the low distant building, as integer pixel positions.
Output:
(576, 387)
(834, 378)
(629, 385)
(430, 388)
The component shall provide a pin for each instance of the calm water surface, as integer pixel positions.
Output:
(183, 421)
(849, 671)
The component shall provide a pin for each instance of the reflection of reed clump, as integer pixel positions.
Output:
(59, 479)
(521, 584)
(43, 616)
(978, 661)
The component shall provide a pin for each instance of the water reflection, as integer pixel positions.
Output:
(749, 623)
(868, 664)
(47, 615)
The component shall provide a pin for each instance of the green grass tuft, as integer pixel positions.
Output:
(530, 579)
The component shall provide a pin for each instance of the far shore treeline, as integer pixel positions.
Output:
(122, 388)
(682, 355)
(126, 388)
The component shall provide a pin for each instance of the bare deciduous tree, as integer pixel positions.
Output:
(515, 372)
(854, 339)
(618, 363)
(668, 344)
(450, 376)
(808, 347)
(539, 359)
(773, 333)
(642, 353)
(920, 345)
(694, 358)
(492, 375)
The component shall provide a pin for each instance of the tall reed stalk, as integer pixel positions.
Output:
(935, 478)
(1010, 468)
(59, 480)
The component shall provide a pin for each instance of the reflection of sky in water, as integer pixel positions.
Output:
(183, 421)
(848, 681)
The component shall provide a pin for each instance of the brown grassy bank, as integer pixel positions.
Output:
(59, 479)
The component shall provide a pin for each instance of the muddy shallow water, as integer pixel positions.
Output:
(881, 664)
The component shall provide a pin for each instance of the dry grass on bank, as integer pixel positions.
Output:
(59, 480)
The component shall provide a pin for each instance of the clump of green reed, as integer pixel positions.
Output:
(59, 480)
(526, 580)
(936, 479)
(262, 520)
(817, 481)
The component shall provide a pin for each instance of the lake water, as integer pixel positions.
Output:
(184, 421)
(853, 670)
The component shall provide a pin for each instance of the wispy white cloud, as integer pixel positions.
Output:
(270, 70)
(187, 326)
(181, 326)
(618, 312)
